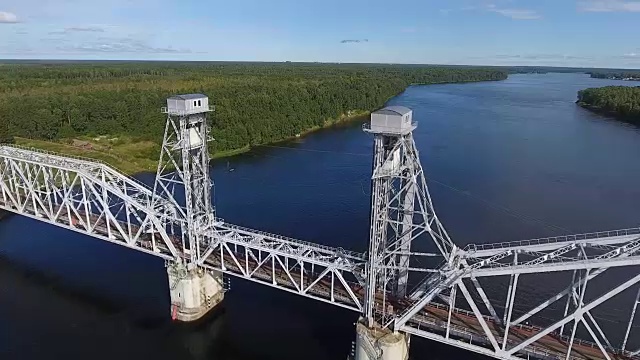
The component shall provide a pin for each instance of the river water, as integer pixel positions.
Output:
(506, 160)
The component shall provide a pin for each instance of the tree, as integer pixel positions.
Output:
(5, 136)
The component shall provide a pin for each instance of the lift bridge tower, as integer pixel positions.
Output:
(402, 216)
(183, 178)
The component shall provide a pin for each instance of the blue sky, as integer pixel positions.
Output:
(599, 33)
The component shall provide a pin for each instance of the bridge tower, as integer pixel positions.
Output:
(401, 211)
(183, 178)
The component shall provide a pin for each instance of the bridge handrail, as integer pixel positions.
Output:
(77, 157)
(328, 249)
(552, 239)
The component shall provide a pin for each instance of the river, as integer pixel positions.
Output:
(506, 160)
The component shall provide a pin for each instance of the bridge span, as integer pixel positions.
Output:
(396, 294)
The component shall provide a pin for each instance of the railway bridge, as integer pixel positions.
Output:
(442, 292)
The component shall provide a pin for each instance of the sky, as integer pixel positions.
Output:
(585, 33)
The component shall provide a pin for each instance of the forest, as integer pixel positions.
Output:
(616, 75)
(256, 103)
(620, 101)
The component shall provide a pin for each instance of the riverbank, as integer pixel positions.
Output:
(609, 113)
(620, 102)
(132, 156)
(351, 115)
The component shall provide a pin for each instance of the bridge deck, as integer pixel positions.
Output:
(464, 325)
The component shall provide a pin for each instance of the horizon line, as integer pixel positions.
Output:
(5, 60)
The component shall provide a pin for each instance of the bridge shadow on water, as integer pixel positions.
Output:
(45, 317)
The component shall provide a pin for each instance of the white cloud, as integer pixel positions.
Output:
(8, 18)
(85, 29)
(516, 14)
(78, 29)
(609, 6)
(118, 45)
(513, 13)
(539, 57)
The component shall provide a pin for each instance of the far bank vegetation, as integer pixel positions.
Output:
(113, 109)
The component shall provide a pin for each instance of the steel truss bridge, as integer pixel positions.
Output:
(443, 292)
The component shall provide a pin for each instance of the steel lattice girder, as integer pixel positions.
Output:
(514, 340)
(319, 272)
(85, 197)
(107, 204)
(592, 254)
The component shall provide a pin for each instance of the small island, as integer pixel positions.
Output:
(622, 102)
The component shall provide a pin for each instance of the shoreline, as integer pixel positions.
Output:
(131, 166)
(342, 119)
(608, 113)
(352, 115)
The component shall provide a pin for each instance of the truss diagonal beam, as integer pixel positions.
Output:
(479, 316)
(631, 319)
(577, 314)
(558, 296)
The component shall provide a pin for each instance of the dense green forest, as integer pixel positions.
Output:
(620, 101)
(256, 103)
(5, 136)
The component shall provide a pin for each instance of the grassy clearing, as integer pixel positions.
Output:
(125, 154)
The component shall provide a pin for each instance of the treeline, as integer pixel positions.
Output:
(620, 101)
(616, 75)
(256, 103)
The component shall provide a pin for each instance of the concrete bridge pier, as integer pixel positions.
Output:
(194, 292)
(380, 344)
